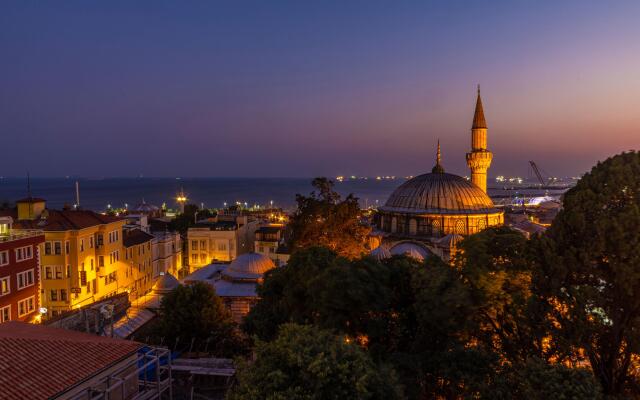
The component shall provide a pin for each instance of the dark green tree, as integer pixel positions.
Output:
(324, 219)
(194, 313)
(183, 221)
(589, 271)
(304, 362)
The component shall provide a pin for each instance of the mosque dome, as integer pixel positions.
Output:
(439, 193)
(165, 283)
(380, 253)
(145, 208)
(249, 266)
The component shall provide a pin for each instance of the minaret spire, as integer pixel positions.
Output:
(479, 159)
(437, 169)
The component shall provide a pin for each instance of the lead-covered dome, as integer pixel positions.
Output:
(249, 266)
(439, 193)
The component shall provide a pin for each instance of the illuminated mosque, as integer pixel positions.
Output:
(431, 213)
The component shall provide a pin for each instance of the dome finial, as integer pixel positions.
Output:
(437, 169)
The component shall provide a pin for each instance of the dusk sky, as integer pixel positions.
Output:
(302, 88)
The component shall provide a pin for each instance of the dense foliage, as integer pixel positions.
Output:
(193, 317)
(324, 219)
(304, 362)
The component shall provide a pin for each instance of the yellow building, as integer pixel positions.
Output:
(81, 258)
(221, 239)
(430, 213)
(138, 256)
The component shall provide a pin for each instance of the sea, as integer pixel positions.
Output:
(102, 193)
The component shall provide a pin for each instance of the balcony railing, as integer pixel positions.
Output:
(17, 234)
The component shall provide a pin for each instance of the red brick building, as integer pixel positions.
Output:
(19, 272)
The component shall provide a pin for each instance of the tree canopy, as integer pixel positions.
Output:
(324, 219)
(304, 362)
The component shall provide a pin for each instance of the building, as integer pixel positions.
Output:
(235, 283)
(138, 272)
(269, 241)
(222, 238)
(430, 213)
(80, 257)
(19, 272)
(40, 362)
(166, 250)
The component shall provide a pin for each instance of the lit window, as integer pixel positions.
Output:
(25, 279)
(5, 314)
(26, 306)
(4, 286)
(4, 257)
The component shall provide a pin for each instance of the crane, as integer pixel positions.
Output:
(536, 171)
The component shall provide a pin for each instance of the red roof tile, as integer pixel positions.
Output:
(38, 362)
(64, 220)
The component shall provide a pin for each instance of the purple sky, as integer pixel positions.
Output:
(261, 88)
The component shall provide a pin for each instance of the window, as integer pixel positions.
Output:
(58, 271)
(100, 261)
(91, 242)
(83, 278)
(194, 245)
(222, 246)
(4, 257)
(203, 245)
(24, 253)
(194, 258)
(4, 286)
(203, 258)
(68, 271)
(63, 294)
(47, 248)
(57, 248)
(81, 245)
(47, 273)
(25, 279)
(5, 314)
(26, 306)
(114, 256)
(67, 247)
(54, 295)
(99, 240)
(91, 262)
(113, 236)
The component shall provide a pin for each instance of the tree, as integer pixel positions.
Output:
(323, 219)
(182, 222)
(304, 362)
(194, 313)
(589, 271)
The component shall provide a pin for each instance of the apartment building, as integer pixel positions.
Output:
(80, 257)
(138, 255)
(269, 241)
(19, 272)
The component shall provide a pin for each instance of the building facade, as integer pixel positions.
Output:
(80, 257)
(221, 239)
(269, 241)
(19, 273)
(166, 249)
(138, 276)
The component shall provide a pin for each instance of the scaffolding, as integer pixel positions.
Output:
(145, 377)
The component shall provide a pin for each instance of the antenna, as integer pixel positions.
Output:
(77, 195)
(28, 185)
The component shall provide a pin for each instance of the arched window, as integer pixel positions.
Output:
(482, 224)
(394, 224)
(436, 227)
(460, 228)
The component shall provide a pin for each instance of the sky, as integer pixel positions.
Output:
(301, 89)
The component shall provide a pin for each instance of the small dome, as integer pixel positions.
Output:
(380, 253)
(412, 250)
(144, 207)
(439, 193)
(249, 266)
(165, 283)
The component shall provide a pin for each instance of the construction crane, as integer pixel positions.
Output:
(539, 175)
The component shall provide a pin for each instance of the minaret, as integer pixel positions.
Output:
(437, 169)
(479, 159)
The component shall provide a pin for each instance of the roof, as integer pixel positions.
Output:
(410, 249)
(65, 220)
(145, 207)
(135, 237)
(226, 288)
(39, 362)
(478, 116)
(218, 225)
(380, 253)
(439, 193)
(249, 266)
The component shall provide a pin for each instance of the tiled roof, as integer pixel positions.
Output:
(38, 362)
(135, 237)
(64, 220)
